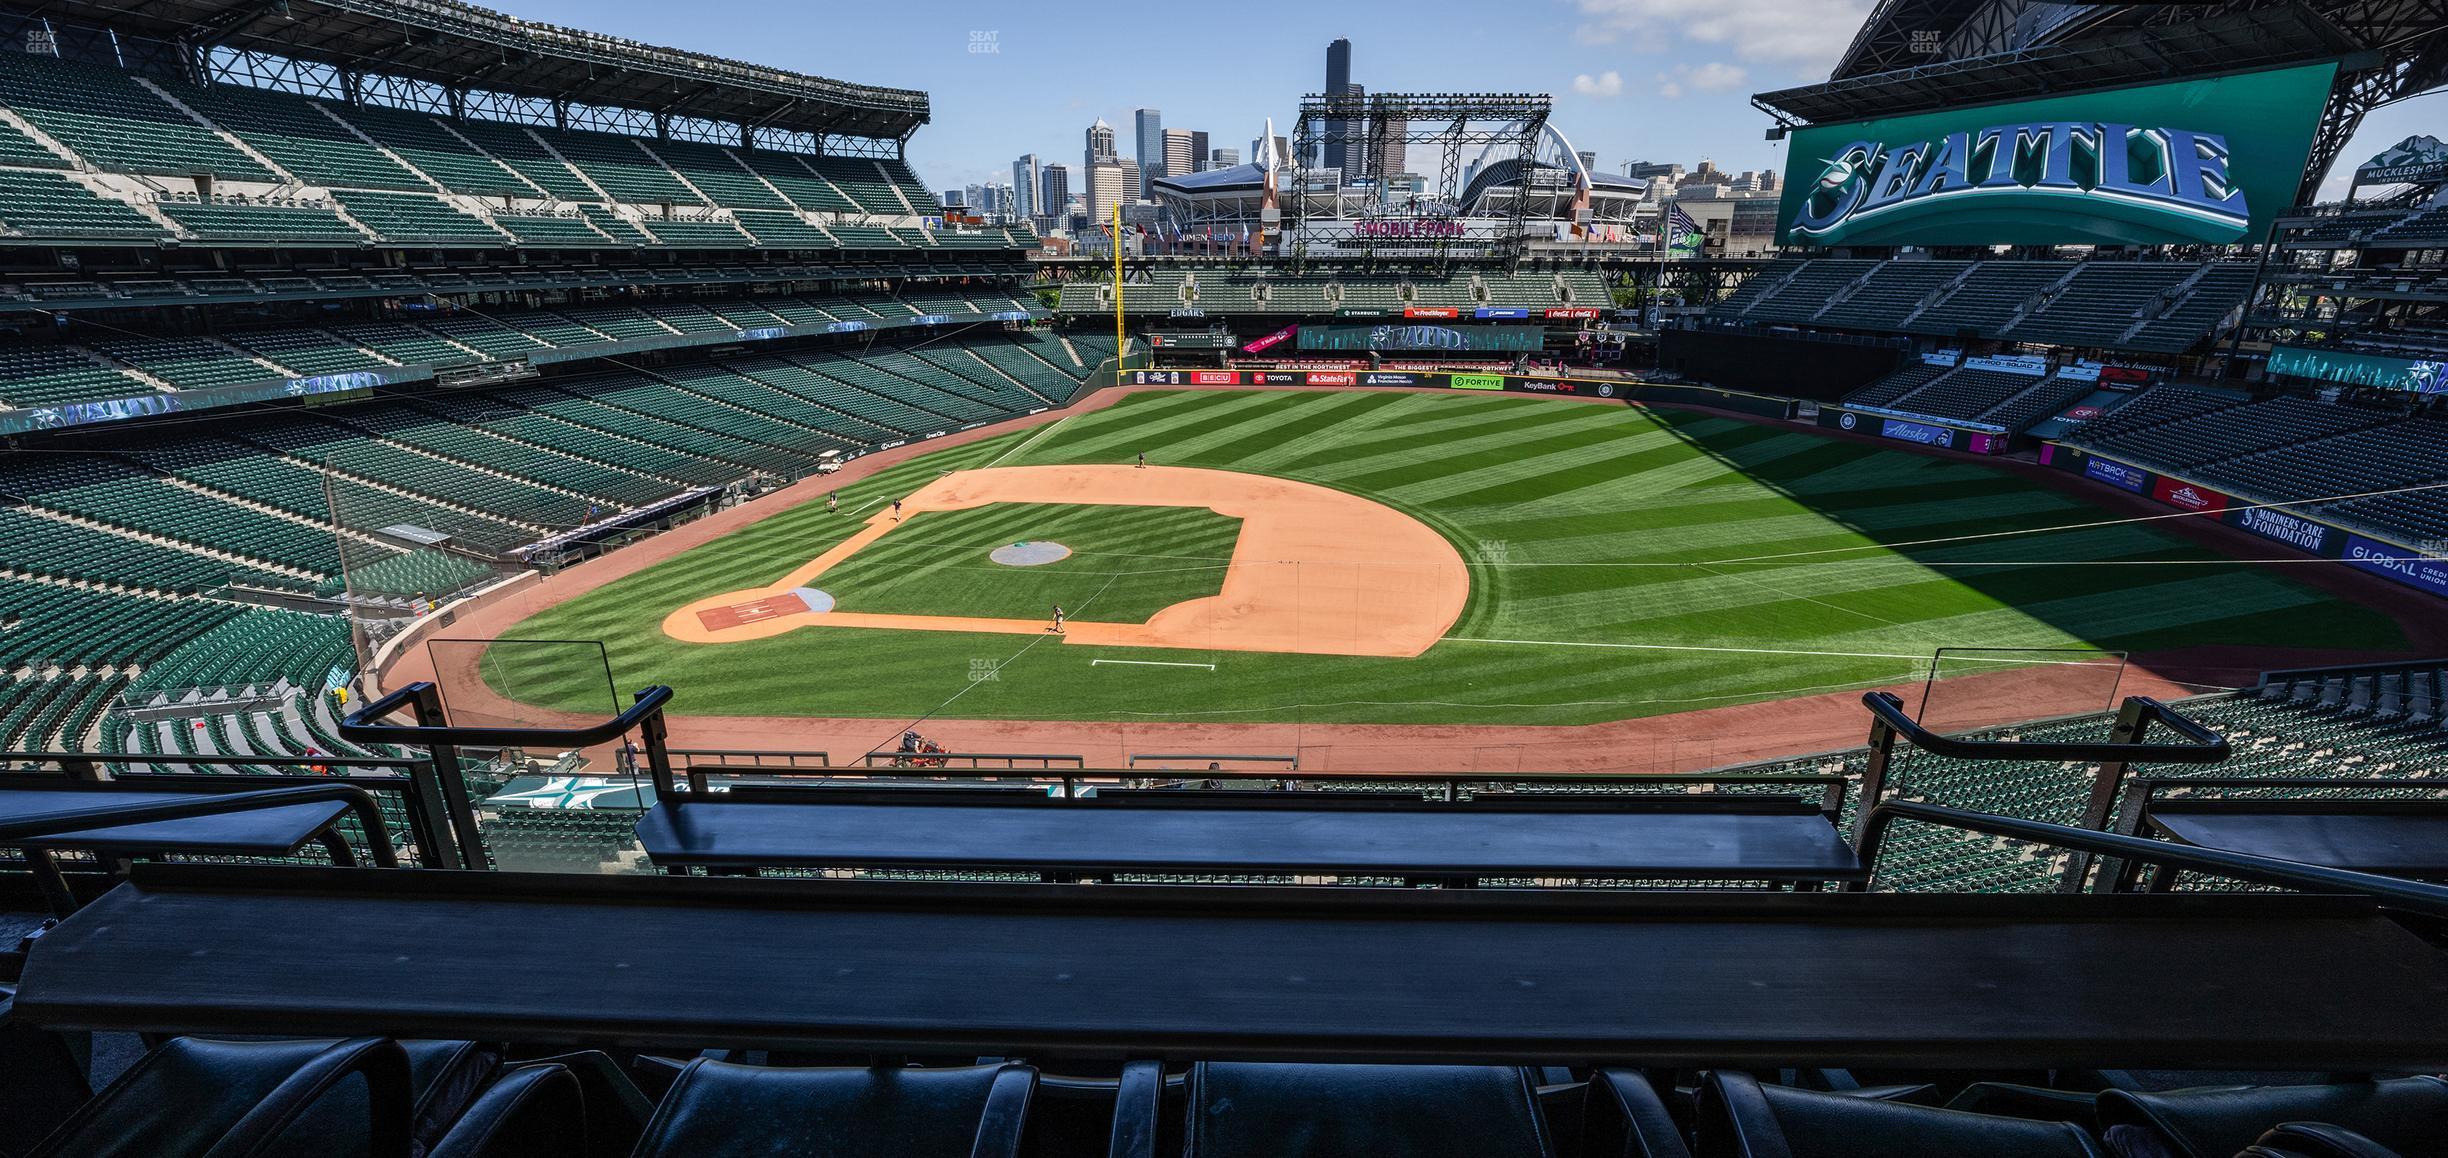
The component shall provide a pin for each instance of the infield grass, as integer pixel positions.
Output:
(1126, 563)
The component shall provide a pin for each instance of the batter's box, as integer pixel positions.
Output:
(796, 601)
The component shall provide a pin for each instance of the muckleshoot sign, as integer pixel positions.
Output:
(2197, 161)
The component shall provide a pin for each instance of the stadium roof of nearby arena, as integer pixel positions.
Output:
(2233, 42)
(455, 45)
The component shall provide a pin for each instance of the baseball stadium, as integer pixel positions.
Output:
(556, 600)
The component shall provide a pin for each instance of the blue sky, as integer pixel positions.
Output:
(1664, 80)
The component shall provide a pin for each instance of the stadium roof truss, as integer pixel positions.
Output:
(1489, 127)
(1915, 55)
(463, 51)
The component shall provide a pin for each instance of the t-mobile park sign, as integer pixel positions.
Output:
(1411, 227)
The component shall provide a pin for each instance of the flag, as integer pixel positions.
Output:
(1683, 235)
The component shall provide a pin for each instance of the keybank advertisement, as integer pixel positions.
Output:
(2198, 161)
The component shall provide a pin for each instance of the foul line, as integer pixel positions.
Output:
(1031, 440)
(1151, 663)
(1745, 650)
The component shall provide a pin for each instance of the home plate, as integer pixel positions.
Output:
(1030, 553)
(797, 601)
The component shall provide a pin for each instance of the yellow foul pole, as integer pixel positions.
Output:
(1119, 360)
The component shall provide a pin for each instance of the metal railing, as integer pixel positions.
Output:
(61, 824)
(2116, 756)
(442, 742)
(924, 760)
(2411, 896)
(412, 781)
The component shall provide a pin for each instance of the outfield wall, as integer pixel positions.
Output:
(1610, 389)
(2415, 567)
(1918, 429)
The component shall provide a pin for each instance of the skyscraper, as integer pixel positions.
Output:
(1198, 150)
(1100, 148)
(1393, 154)
(1024, 187)
(1054, 191)
(1149, 126)
(1356, 140)
(1109, 183)
(1180, 152)
(1338, 78)
(1223, 158)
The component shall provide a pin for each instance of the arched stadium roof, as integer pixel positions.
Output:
(459, 45)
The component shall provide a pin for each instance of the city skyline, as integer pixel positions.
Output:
(1632, 79)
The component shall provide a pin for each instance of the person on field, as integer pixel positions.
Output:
(896, 510)
(1058, 619)
(1143, 460)
(832, 502)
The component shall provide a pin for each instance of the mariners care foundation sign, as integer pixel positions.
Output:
(2199, 161)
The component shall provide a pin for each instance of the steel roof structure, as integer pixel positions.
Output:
(458, 46)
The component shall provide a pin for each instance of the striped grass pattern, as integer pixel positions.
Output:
(1624, 562)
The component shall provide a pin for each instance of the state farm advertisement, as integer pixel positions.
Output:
(1333, 378)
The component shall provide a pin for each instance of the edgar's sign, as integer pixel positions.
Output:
(2160, 179)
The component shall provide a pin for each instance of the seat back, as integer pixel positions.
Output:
(196, 1096)
(1623, 1117)
(534, 1111)
(1740, 1118)
(719, 1110)
(2315, 1140)
(2407, 1114)
(1261, 1110)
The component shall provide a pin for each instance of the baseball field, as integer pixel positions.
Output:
(1354, 557)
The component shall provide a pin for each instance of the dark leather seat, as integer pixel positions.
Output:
(1622, 1116)
(1740, 1118)
(2037, 1103)
(721, 1110)
(42, 1078)
(535, 1111)
(1254, 1110)
(2315, 1140)
(291, 1099)
(2409, 1115)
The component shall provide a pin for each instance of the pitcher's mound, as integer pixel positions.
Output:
(1030, 553)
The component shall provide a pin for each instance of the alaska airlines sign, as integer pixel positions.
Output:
(2192, 162)
(2166, 180)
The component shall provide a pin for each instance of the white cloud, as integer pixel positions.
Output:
(1605, 84)
(1714, 76)
(1806, 35)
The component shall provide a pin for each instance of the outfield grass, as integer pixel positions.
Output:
(1624, 562)
(1126, 563)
